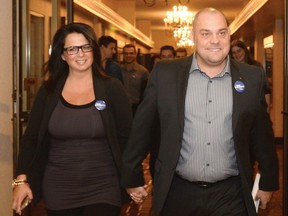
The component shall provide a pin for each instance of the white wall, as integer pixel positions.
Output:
(6, 164)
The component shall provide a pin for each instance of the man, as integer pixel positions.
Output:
(108, 46)
(135, 76)
(167, 52)
(181, 52)
(210, 109)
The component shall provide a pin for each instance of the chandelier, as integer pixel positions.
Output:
(179, 21)
(182, 33)
(183, 37)
(179, 17)
(185, 43)
(151, 3)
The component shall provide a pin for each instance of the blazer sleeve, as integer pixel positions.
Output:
(122, 112)
(29, 141)
(264, 145)
(140, 137)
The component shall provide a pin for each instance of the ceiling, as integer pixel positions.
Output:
(262, 21)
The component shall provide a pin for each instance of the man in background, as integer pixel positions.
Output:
(135, 76)
(167, 52)
(108, 46)
(181, 52)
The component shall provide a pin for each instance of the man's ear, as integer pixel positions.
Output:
(192, 36)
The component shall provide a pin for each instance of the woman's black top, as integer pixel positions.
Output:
(80, 169)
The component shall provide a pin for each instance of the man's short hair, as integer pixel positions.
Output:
(130, 46)
(168, 47)
(105, 40)
(181, 49)
(208, 10)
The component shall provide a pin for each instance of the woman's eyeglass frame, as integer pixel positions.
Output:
(74, 50)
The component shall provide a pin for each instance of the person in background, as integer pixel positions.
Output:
(181, 52)
(70, 153)
(240, 53)
(135, 76)
(167, 52)
(154, 60)
(108, 46)
(210, 109)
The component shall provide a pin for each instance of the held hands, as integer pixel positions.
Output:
(22, 196)
(138, 194)
(265, 197)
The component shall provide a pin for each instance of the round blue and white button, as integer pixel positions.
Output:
(100, 105)
(239, 86)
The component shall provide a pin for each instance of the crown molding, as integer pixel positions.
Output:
(248, 11)
(102, 11)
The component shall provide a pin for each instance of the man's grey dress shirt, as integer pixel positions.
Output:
(207, 152)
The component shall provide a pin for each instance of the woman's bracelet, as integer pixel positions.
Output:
(17, 182)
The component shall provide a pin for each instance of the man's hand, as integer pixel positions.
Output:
(138, 194)
(265, 197)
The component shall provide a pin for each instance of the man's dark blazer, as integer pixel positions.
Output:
(164, 100)
(117, 120)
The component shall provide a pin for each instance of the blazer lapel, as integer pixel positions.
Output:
(101, 96)
(182, 82)
(51, 102)
(237, 96)
(100, 92)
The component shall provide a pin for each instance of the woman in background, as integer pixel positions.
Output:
(70, 153)
(240, 53)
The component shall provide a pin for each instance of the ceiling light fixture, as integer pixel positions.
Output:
(179, 21)
(179, 17)
(150, 3)
(185, 43)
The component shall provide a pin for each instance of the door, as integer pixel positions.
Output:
(36, 21)
(285, 114)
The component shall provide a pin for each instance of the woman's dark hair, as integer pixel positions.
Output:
(248, 57)
(56, 67)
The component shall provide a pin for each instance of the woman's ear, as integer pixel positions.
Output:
(63, 57)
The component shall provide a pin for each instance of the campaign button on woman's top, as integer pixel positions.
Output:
(239, 86)
(100, 105)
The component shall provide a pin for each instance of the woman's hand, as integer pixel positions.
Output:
(22, 196)
(138, 194)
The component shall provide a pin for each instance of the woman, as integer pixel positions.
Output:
(240, 53)
(80, 121)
